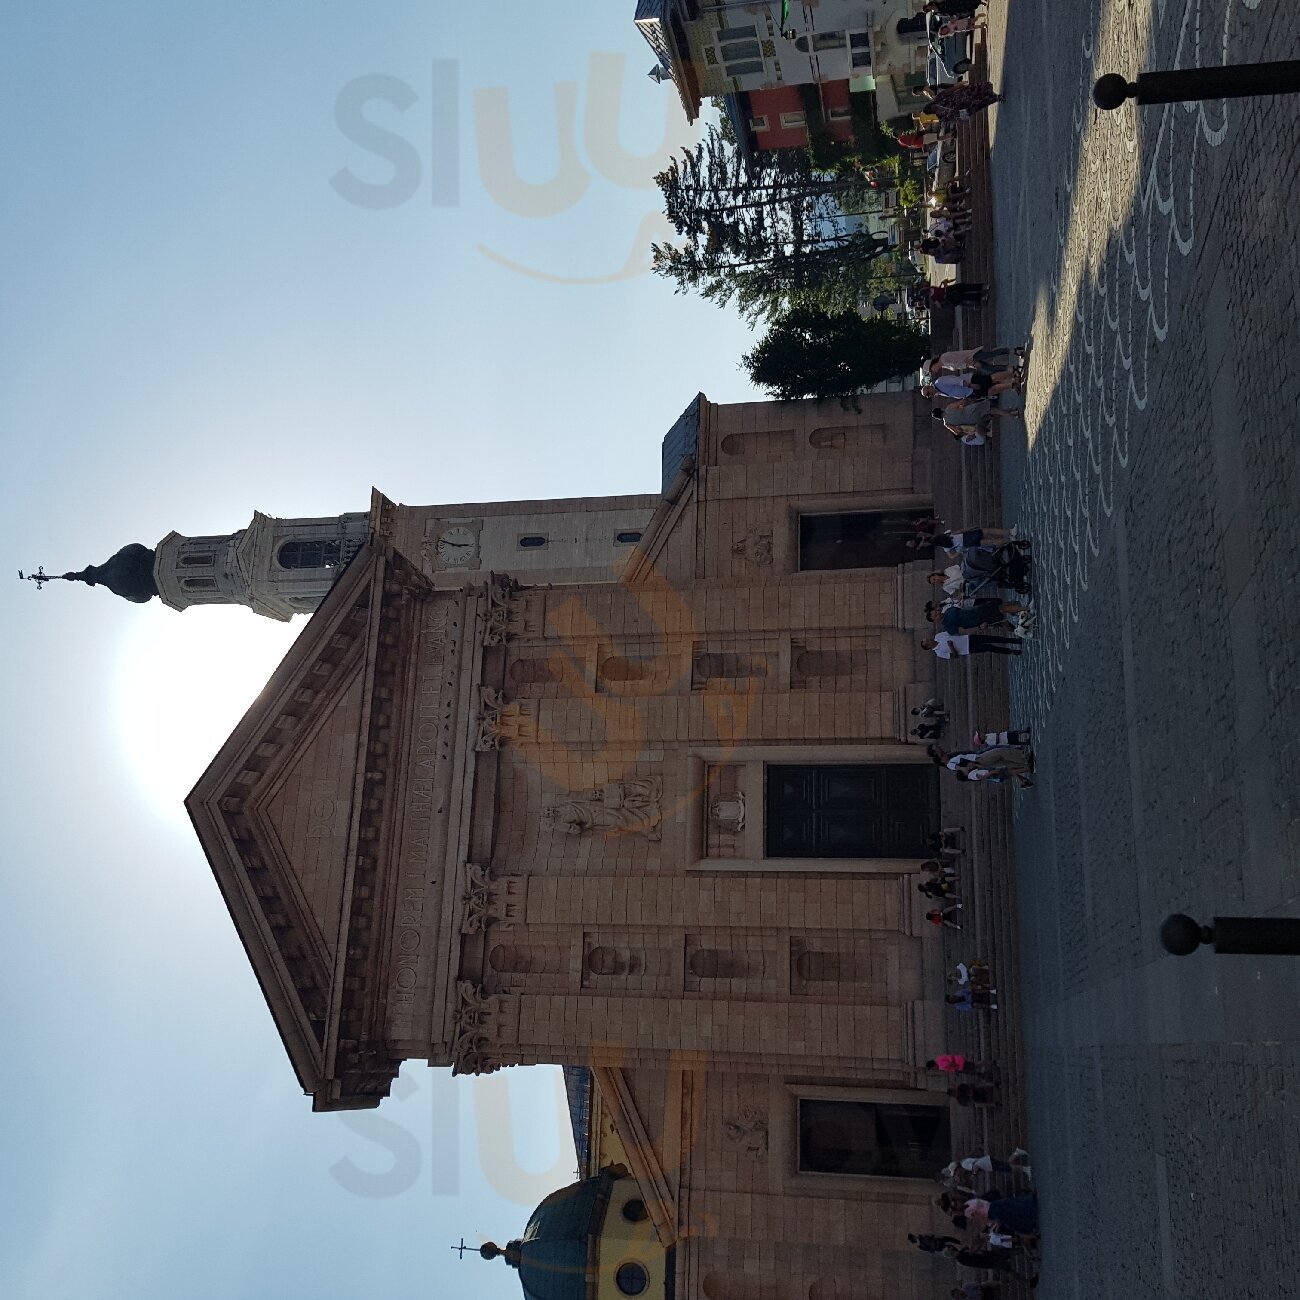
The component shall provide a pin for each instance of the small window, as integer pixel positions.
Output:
(791, 120)
(635, 1212)
(839, 114)
(746, 33)
(317, 553)
(631, 1279)
(532, 542)
(758, 123)
(824, 41)
(201, 560)
(627, 539)
(199, 584)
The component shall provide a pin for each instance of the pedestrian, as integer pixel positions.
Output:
(958, 293)
(1018, 736)
(953, 8)
(983, 613)
(949, 839)
(927, 730)
(987, 361)
(932, 708)
(943, 916)
(993, 1259)
(958, 647)
(1013, 1213)
(987, 1164)
(953, 103)
(976, 1291)
(956, 1063)
(972, 999)
(946, 252)
(982, 1096)
(938, 889)
(940, 868)
(932, 1244)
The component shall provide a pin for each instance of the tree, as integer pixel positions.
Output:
(768, 233)
(811, 353)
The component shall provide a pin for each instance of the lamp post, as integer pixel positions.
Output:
(1276, 936)
(1176, 86)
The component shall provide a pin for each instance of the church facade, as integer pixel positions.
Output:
(623, 784)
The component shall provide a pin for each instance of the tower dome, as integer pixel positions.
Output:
(128, 574)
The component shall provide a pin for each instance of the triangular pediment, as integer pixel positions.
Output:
(280, 809)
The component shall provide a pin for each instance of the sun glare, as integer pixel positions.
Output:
(183, 681)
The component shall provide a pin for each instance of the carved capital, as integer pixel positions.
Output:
(504, 610)
(488, 899)
(473, 1050)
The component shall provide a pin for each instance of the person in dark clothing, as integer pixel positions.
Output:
(968, 1258)
(931, 1244)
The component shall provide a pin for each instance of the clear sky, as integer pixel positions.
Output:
(222, 292)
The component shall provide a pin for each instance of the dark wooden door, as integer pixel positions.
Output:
(843, 811)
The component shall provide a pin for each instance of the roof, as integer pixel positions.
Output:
(655, 20)
(557, 1253)
(681, 441)
(577, 1087)
(128, 573)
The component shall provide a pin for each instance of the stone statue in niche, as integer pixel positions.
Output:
(755, 546)
(630, 807)
(748, 1130)
(728, 811)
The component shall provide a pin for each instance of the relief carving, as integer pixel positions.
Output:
(488, 901)
(472, 1048)
(630, 807)
(728, 812)
(504, 610)
(755, 546)
(748, 1130)
(500, 721)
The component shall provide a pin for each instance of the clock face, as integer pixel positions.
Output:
(458, 546)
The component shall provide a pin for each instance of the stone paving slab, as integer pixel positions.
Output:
(1152, 257)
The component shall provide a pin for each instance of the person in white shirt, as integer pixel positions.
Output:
(946, 646)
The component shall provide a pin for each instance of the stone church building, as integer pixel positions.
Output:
(620, 784)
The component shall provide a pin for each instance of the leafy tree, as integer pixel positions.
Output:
(766, 233)
(811, 353)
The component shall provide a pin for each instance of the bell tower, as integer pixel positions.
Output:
(275, 567)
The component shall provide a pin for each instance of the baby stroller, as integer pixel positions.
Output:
(986, 569)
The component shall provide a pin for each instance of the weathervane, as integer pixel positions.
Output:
(40, 577)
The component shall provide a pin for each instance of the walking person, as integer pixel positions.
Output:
(942, 916)
(932, 1244)
(946, 646)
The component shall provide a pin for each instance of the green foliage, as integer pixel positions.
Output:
(812, 353)
(767, 234)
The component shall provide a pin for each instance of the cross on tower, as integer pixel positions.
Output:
(462, 1248)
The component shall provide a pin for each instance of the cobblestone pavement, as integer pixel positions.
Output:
(1151, 258)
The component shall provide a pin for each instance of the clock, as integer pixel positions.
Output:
(458, 547)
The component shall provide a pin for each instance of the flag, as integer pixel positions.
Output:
(785, 13)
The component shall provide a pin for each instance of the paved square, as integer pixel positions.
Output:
(1151, 256)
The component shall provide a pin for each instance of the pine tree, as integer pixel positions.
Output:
(811, 353)
(768, 233)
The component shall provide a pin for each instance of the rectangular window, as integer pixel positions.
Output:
(849, 811)
(758, 124)
(840, 114)
(791, 120)
(199, 584)
(747, 32)
(871, 1139)
(856, 539)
